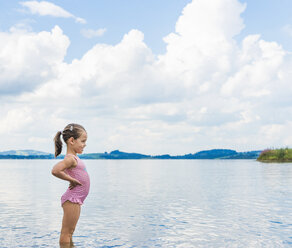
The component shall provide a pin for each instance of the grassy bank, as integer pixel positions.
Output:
(276, 155)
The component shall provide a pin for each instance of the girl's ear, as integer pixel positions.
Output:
(71, 140)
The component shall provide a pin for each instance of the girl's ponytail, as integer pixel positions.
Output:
(58, 143)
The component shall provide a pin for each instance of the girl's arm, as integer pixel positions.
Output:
(59, 170)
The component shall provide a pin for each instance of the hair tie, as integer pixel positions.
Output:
(71, 128)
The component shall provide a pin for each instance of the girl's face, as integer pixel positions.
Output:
(80, 143)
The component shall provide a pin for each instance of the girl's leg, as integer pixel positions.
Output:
(70, 218)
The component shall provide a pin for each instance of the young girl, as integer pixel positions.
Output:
(71, 169)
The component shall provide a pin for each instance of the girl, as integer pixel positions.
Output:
(71, 169)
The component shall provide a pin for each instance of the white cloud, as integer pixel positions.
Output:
(90, 33)
(9, 124)
(206, 91)
(259, 62)
(45, 8)
(29, 59)
(202, 46)
(80, 20)
(22, 26)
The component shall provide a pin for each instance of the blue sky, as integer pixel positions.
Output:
(155, 19)
(147, 76)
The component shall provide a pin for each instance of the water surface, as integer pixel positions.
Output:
(151, 203)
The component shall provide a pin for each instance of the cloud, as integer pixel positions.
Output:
(206, 91)
(90, 33)
(22, 26)
(8, 123)
(29, 59)
(45, 8)
(260, 62)
(203, 44)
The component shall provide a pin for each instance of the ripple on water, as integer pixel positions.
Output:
(153, 204)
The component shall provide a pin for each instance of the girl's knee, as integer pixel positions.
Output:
(65, 238)
(68, 231)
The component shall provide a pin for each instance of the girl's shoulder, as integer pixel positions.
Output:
(72, 158)
(70, 154)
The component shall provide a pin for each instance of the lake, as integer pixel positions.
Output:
(151, 203)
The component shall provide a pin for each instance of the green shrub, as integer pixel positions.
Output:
(276, 155)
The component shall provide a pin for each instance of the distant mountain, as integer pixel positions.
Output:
(215, 153)
(23, 152)
(207, 154)
(114, 155)
(244, 155)
(124, 155)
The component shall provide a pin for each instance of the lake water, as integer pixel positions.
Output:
(151, 203)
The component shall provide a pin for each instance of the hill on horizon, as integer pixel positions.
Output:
(24, 152)
(116, 154)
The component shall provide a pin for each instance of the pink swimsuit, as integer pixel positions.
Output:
(79, 192)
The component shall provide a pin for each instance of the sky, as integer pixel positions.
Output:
(154, 77)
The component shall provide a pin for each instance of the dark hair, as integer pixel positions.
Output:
(71, 130)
